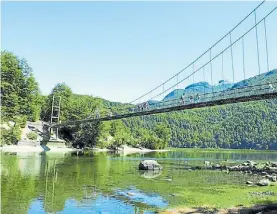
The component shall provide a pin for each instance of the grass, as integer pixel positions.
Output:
(221, 197)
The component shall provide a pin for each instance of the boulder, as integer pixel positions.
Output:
(217, 166)
(207, 163)
(274, 164)
(263, 182)
(249, 182)
(251, 163)
(273, 178)
(149, 165)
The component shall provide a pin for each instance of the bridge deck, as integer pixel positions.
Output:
(223, 101)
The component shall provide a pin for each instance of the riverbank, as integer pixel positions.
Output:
(47, 148)
(16, 148)
(126, 150)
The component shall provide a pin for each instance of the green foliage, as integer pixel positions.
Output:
(57, 172)
(250, 125)
(62, 91)
(32, 135)
(244, 126)
(121, 135)
(20, 96)
(11, 135)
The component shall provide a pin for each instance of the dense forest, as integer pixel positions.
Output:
(250, 125)
(21, 99)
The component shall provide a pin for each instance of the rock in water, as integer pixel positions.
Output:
(264, 182)
(130, 194)
(149, 165)
(274, 164)
(207, 163)
(273, 178)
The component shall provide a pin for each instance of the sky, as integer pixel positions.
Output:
(120, 50)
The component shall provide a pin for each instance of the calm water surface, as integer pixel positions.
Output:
(110, 183)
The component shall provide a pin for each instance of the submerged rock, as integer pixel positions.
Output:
(130, 193)
(150, 165)
(207, 163)
(274, 164)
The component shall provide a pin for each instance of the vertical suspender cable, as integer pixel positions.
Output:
(266, 45)
(204, 80)
(177, 89)
(222, 70)
(193, 72)
(243, 59)
(257, 42)
(163, 95)
(211, 70)
(232, 59)
(193, 76)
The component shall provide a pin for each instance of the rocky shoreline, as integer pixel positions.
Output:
(267, 171)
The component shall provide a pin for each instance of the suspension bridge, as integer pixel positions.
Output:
(248, 45)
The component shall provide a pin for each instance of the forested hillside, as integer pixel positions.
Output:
(20, 97)
(244, 125)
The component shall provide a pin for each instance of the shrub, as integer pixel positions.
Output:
(10, 136)
(32, 136)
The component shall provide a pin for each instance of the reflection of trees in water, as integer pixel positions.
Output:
(149, 174)
(17, 188)
(64, 177)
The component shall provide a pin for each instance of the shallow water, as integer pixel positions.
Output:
(111, 183)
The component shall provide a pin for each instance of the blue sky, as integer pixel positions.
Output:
(120, 50)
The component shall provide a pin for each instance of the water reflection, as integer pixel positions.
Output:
(136, 195)
(102, 182)
(150, 174)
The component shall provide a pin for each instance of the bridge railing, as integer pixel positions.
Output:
(213, 96)
(241, 91)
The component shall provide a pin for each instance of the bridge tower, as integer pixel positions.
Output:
(55, 113)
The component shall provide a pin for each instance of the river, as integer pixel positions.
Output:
(111, 183)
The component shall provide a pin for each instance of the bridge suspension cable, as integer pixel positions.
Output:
(211, 96)
(205, 52)
(234, 42)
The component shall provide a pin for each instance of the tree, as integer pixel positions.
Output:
(164, 133)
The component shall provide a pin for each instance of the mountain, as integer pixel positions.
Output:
(222, 86)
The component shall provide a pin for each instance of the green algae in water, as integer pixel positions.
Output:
(102, 182)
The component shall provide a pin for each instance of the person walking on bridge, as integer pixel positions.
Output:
(197, 98)
(139, 107)
(191, 98)
(183, 99)
(271, 88)
(145, 106)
